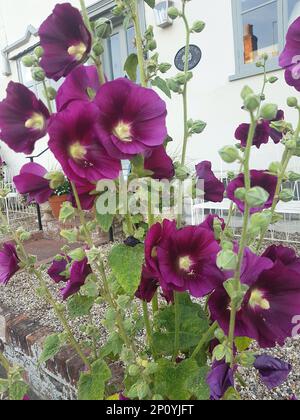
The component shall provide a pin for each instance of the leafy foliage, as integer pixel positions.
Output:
(92, 384)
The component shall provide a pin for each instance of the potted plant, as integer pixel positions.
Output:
(59, 197)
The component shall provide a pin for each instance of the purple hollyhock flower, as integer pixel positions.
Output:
(82, 84)
(220, 379)
(263, 132)
(23, 119)
(160, 163)
(148, 286)
(273, 372)
(289, 58)
(86, 196)
(9, 262)
(57, 268)
(74, 143)
(32, 181)
(184, 259)
(132, 118)
(154, 237)
(287, 256)
(213, 188)
(78, 274)
(65, 40)
(268, 307)
(258, 179)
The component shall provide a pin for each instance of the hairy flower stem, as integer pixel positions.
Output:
(147, 324)
(243, 242)
(183, 159)
(63, 320)
(139, 41)
(101, 270)
(177, 326)
(205, 339)
(88, 24)
(49, 104)
(288, 154)
(185, 110)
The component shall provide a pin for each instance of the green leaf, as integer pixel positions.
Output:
(150, 3)
(126, 264)
(173, 381)
(17, 390)
(91, 385)
(80, 306)
(193, 324)
(242, 343)
(131, 66)
(105, 221)
(162, 85)
(52, 346)
(199, 386)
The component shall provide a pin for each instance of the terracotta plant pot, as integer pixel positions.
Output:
(56, 203)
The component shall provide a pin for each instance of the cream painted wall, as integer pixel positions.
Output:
(213, 98)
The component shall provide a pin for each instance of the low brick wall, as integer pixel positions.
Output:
(22, 340)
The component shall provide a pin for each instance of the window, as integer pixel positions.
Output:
(260, 27)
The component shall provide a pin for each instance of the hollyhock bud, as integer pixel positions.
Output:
(273, 372)
(56, 179)
(256, 197)
(198, 26)
(196, 127)
(293, 176)
(227, 260)
(173, 13)
(246, 91)
(252, 102)
(229, 154)
(275, 168)
(269, 112)
(39, 52)
(9, 262)
(51, 92)
(38, 74)
(103, 28)
(240, 194)
(28, 61)
(286, 195)
(292, 102)
(164, 67)
(98, 49)
(273, 80)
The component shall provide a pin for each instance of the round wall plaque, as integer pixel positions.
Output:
(195, 56)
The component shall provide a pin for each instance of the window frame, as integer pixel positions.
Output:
(243, 70)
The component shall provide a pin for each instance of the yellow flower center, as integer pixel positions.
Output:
(123, 132)
(77, 51)
(185, 263)
(257, 299)
(77, 151)
(36, 122)
(154, 253)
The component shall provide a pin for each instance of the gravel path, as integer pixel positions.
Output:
(19, 296)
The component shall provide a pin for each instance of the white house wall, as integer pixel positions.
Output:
(213, 98)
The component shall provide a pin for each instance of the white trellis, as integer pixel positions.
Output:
(15, 210)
